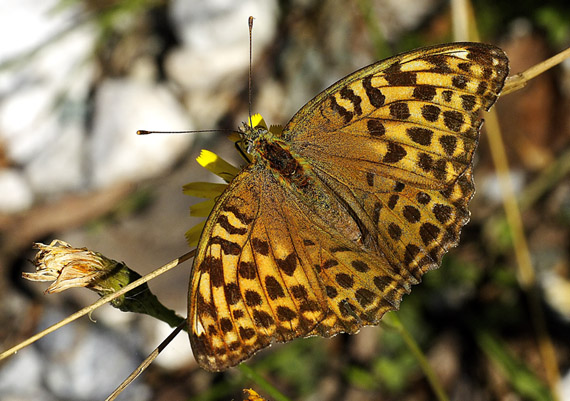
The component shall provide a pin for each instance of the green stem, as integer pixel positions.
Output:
(138, 300)
(261, 382)
(374, 32)
(396, 323)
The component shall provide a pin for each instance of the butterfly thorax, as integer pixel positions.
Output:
(269, 151)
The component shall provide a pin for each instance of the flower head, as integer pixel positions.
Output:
(71, 267)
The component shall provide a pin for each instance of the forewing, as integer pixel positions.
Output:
(395, 141)
(413, 118)
(267, 271)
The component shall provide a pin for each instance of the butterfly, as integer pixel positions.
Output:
(335, 217)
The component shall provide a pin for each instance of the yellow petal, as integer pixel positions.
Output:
(204, 189)
(193, 235)
(276, 130)
(202, 209)
(252, 395)
(212, 162)
(257, 121)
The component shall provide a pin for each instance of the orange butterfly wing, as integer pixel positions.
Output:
(378, 187)
(271, 271)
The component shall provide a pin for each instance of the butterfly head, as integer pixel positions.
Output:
(250, 135)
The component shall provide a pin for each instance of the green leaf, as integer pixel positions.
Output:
(523, 380)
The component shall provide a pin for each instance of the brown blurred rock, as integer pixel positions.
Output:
(531, 130)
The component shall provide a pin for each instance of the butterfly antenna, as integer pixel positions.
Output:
(147, 132)
(250, 24)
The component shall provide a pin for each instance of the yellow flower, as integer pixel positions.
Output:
(252, 395)
(210, 191)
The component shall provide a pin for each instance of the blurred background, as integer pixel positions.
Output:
(78, 78)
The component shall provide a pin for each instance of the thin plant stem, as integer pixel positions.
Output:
(548, 178)
(460, 10)
(102, 301)
(518, 81)
(395, 323)
(261, 382)
(526, 273)
(375, 34)
(148, 360)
